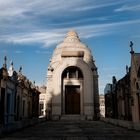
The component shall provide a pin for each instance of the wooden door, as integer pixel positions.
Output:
(72, 100)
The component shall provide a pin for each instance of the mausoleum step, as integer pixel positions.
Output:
(72, 117)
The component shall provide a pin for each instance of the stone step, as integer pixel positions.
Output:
(72, 117)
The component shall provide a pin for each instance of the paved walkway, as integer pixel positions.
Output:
(64, 130)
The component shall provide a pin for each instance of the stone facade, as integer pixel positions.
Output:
(102, 105)
(124, 98)
(72, 80)
(19, 98)
(42, 102)
(7, 95)
(135, 85)
(124, 111)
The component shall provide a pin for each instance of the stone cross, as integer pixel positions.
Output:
(131, 46)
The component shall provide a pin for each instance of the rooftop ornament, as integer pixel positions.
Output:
(131, 46)
(5, 60)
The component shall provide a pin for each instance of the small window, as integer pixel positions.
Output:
(72, 72)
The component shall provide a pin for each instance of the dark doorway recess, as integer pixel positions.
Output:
(72, 100)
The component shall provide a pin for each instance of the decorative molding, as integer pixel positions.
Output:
(72, 54)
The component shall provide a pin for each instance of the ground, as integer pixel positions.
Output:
(71, 130)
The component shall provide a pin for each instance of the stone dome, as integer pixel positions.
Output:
(71, 36)
(72, 43)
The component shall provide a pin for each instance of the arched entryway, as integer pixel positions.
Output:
(72, 79)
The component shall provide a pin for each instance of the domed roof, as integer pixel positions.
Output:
(72, 43)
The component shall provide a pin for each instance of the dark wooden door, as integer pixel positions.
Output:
(72, 100)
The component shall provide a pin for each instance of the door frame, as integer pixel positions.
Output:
(72, 107)
(72, 82)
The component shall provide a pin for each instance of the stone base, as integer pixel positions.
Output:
(89, 117)
(55, 117)
(73, 117)
(18, 125)
(122, 123)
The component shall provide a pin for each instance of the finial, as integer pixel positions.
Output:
(114, 80)
(11, 63)
(20, 69)
(71, 36)
(131, 46)
(50, 68)
(11, 69)
(5, 60)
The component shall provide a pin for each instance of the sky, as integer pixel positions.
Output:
(31, 29)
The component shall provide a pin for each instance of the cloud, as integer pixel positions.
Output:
(18, 52)
(43, 52)
(23, 21)
(4, 51)
(95, 30)
(16, 14)
(136, 36)
(47, 38)
(128, 8)
(82, 21)
(21, 8)
(55, 36)
(97, 5)
(30, 8)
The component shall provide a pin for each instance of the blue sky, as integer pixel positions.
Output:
(31, 29)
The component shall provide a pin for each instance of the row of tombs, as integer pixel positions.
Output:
(19, 97)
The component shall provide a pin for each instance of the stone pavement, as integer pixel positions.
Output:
(70, 130)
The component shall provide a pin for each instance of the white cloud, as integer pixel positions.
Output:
(136, 36)
(98, 5)
(18, 52)
(47, 38)
(4, 51)
(13, 11)
(128, 8)
(43, 52)
(12, 8)
(18, 8)
(57, 35)
(89, 31)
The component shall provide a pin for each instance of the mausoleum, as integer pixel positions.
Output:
(72, 81)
